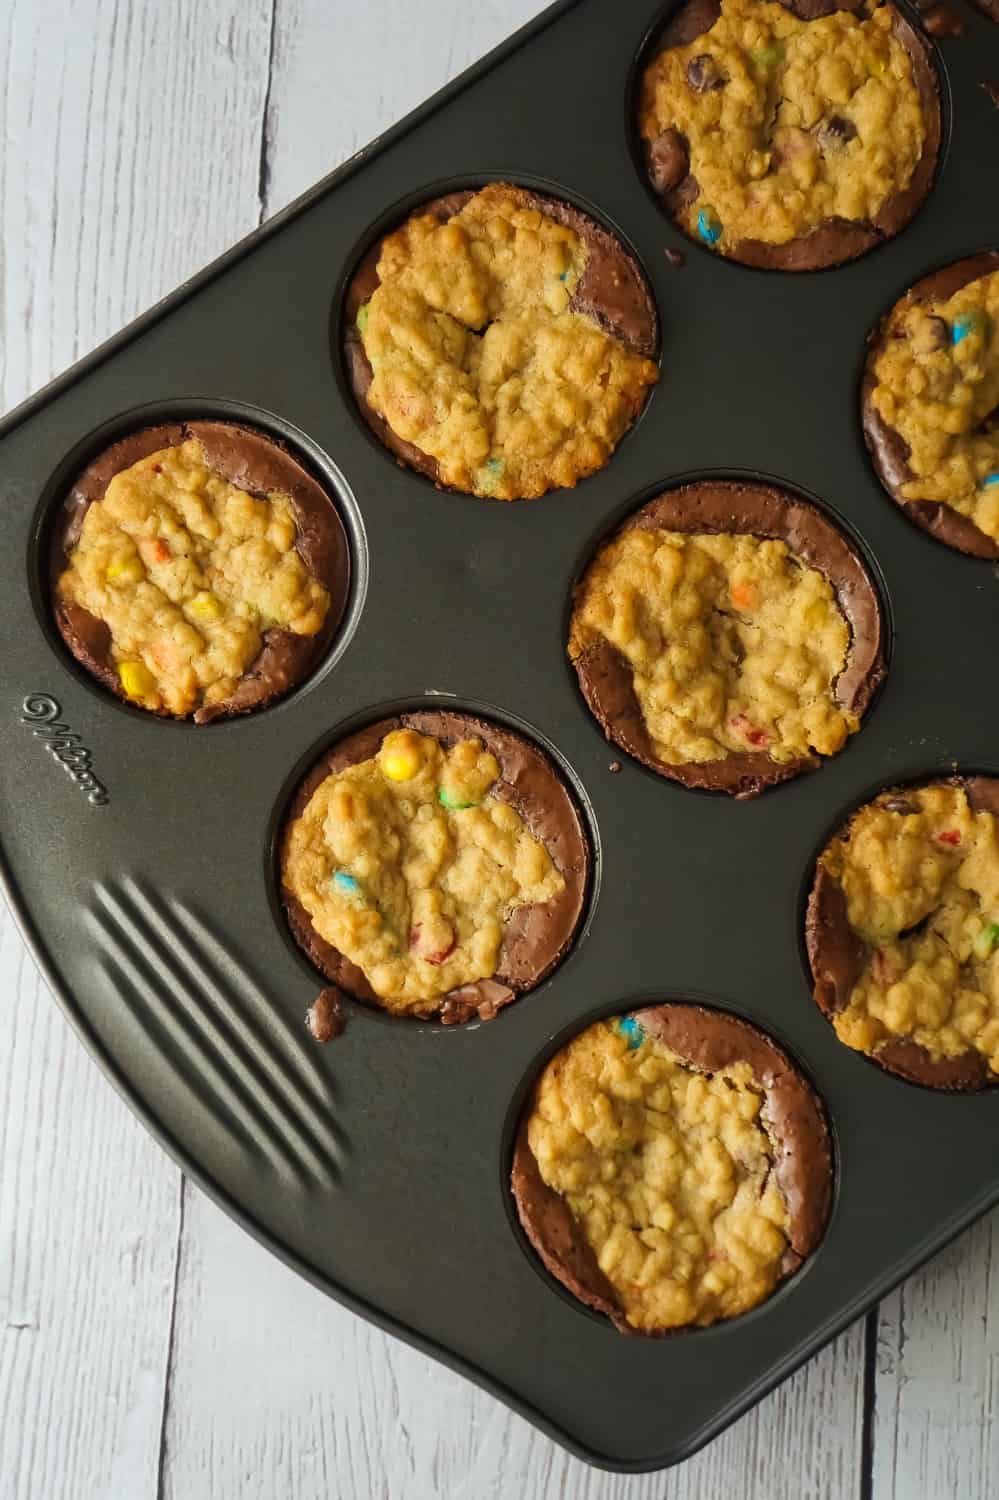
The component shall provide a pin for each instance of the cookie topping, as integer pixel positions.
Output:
(732, 642)
(413, 878)
(935, 383)
(920, 876)
(187, 571)
(785, 123)
(668, 1171)
(481, 360)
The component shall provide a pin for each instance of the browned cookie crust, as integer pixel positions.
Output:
(605, 676)
(259, 465)
(706, 1041)
(536, 937)
(837, 956)
(888, 449)
(612, 291)
(834, 241)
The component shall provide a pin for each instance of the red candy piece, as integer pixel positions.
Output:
(949, 836)
(746, 727)
(433, 956)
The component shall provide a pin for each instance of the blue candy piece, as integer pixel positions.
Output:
(709, 226)
(345, 882)
(631, 1031)
(565, 276)
(494, 465)
(963, 327)
(989, 480)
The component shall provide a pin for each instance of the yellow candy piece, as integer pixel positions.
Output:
(125, 570)
(400, 757)
(205, 607)
(136, 678)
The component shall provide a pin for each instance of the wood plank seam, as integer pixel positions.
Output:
(264, 173)
(865, 1487)
(161, 1466)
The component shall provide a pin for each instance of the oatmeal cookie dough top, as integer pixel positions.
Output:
(434, 863)
(931, 393)
(727, 636)
(198, 570)
(790, 135)
(672, 1167)
(903, 932)
(500, 342)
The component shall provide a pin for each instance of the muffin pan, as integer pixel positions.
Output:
(139, 853)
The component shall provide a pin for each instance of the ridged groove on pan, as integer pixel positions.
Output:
(223, 1038)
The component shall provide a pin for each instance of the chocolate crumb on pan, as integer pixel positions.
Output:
(941, 20)
(889, 451)
(535, 937)
(670, 155)
(957, 1051)
(990, 85)
(611, 291)
(324, 1018)
(788, 1149)
(606, 677)
(261, 467)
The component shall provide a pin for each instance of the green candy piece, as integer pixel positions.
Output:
(765, 58)
(446, 800)
(490, 472)
(362, 318)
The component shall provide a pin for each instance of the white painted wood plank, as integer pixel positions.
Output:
(936, 1424)
(344, 72)
(277, 1391)
(130, 156)
(131, 151)
(88, 1240)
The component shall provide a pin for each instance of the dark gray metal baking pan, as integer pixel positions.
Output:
(143, 878)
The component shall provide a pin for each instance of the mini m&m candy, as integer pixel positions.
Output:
(136, 678)
(709, 226)
(969, 323)
(632, 1032)
(400, 757)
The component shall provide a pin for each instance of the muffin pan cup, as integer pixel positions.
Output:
(138, 854)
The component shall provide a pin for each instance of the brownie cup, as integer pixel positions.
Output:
(197, 570)
(727, 636)
(434, 864)
(793, 135)
(930, 400)
(500, 342)
(902, 931)
(672, 1167)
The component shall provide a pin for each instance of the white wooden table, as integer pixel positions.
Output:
(148, 1349)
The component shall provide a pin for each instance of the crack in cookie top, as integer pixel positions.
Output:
(176, 585)
(485, 361)
(410, 867)
(764, 128)
(667, 1172)
(931, 399)
(904, 933)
